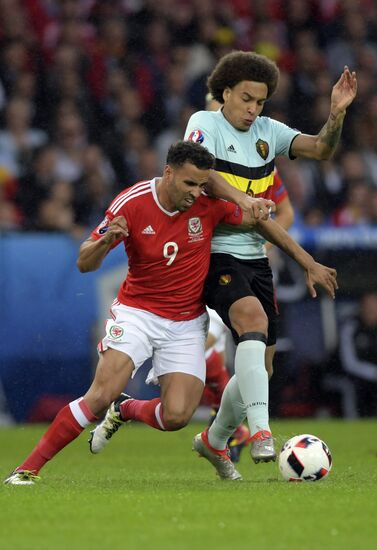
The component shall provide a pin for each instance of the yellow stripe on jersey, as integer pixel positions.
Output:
(257, 186)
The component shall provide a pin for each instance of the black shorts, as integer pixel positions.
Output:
(230, 279)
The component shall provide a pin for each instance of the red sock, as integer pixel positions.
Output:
(68, 424)
(217, 378)
(149, 412)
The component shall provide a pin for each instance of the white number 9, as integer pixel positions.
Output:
(170, 252)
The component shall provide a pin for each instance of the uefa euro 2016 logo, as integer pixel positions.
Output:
(196, 136)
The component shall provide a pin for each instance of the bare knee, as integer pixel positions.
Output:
(175, 420)
(99, 398)
(248, 315)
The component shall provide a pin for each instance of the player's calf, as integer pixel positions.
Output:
(113, 420)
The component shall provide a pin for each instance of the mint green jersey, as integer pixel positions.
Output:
(247, 161)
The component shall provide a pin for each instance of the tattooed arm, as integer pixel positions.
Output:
(323, 145)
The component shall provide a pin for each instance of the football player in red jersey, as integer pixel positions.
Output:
(166, 226)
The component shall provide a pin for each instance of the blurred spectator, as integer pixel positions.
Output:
(10, 215)
(36, 183)
(172, 134)
(174, 97)
(55, 213)
(355, 211)
(356, 188)
(126, 75)
(353, 39)
(148, 165)
(14, 60)
(372, 207)
(19, 139)
(358, 353)
(125, 155)
(94, 190)
(70, 140)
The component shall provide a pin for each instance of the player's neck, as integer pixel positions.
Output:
(226, 116)
(163, 195)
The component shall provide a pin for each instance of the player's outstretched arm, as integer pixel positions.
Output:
(323, 145)
(284, 216)
(316, 274)
(218, 187)
(93, 251)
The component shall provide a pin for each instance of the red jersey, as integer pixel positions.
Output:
(168, 252)
(276, 192)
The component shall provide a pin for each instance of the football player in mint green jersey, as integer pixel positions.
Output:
(239, 285)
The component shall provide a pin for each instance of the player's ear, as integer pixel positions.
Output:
(167, 171)
(226, 93)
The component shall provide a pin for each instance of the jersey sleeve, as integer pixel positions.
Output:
(226, 212)
(201, 129)
(278, 192)
(102, 228)
(284, 136)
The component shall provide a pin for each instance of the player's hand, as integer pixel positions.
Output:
(343, 92)
(318, 274)
(259, 209)
(118, 229)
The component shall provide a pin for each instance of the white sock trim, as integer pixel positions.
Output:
(158, 417)
(78, 413)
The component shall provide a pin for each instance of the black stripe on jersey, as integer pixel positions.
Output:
(251, 173)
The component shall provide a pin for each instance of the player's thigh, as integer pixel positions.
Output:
(263, 288)
(225, 284)
(113, 365)
(124, 348)
(113, 371)
(229, 288)
(181, 349)
(131, 332)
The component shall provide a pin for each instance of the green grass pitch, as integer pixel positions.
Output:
(149, 491)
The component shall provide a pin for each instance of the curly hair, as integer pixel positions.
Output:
(238, 66)
(189, 151)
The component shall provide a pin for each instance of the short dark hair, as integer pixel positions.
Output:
(238, 66)
(189, 151)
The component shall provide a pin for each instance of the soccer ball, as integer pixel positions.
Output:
(305, 458)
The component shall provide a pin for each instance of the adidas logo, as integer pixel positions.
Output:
(148, 230)
(231, 149)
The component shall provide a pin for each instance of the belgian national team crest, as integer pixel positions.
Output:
(225, 280)
(195, 229)
(262, 148)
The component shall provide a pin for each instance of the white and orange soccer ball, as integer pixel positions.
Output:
(305, 458)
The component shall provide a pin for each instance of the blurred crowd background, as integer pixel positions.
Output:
(92, 94)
